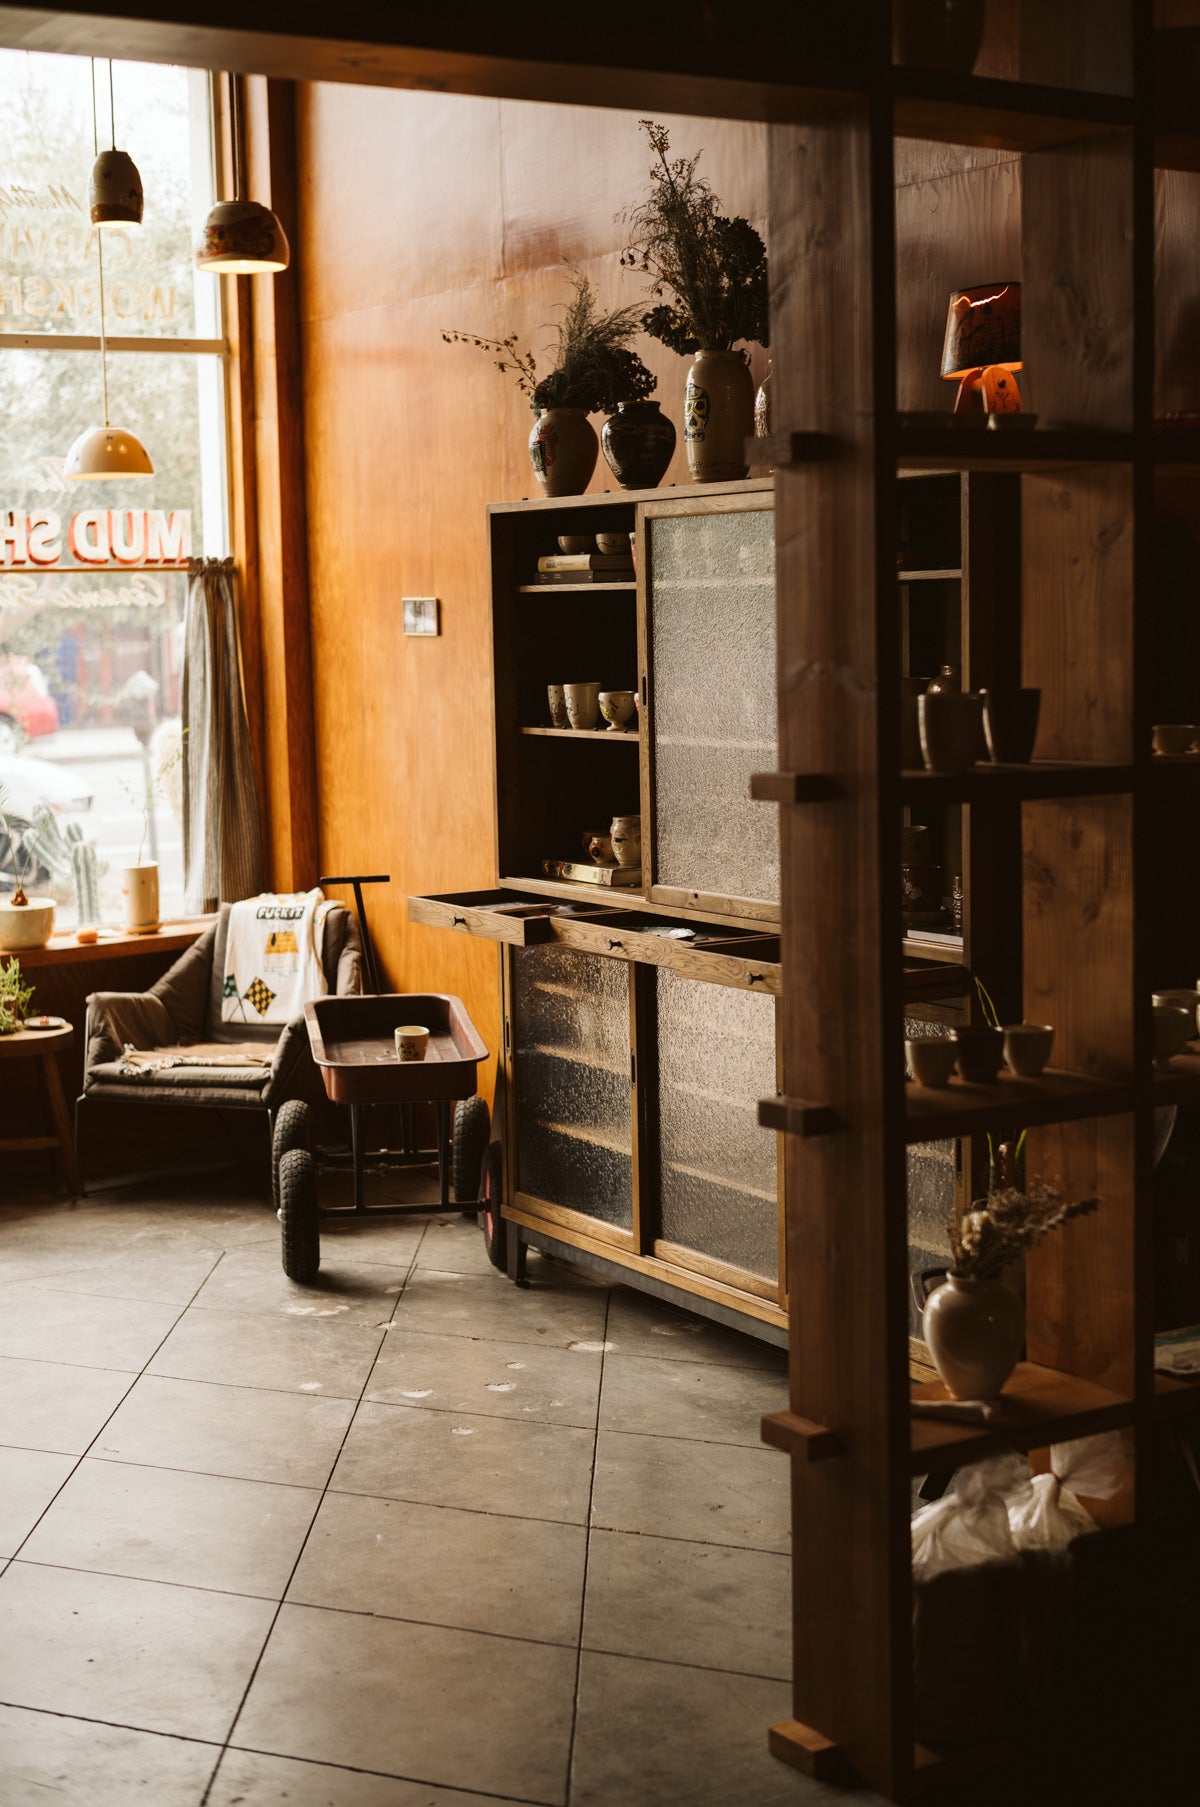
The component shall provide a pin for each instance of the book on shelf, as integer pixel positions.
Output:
(575, 870)
(625, 574)
(586, 561)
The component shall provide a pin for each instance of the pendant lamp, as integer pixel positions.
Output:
(106, 451)
(115, 190)
(241, 238)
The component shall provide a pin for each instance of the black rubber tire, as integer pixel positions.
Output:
(293, 1129)
(301, 1238)
(472, 1126)
(491, 1192)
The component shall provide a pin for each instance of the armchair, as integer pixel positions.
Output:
(183, 1009)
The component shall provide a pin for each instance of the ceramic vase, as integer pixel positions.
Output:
(626, 833)
(563, 449)
(638, 442)
(139, 896)
(762, 407)
(938, 34)
(718, 416)
(974, 1330)
(26, 925)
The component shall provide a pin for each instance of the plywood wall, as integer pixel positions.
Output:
(420, 212)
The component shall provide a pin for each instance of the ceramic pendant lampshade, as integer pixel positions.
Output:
(107, 452)
(983, 335)
(240, 237)
(115, 195)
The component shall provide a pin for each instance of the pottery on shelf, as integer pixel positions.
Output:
(616, 706)
(1173, 738)
(583, 704)
(974, 1330)
(947, 683)
(951, 730)
(718, 416)
(638, 443)
(1010, 721)
(1027, 1048)
(626, 832)
(139, 895)
(612, 543)
(1172, 1028)
(563, 449)
(978, 1051)
(575, 542)
(930, 1059)
(556, 697)
(26, 925)
(598, 843)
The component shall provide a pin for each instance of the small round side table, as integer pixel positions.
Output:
(43, 1045)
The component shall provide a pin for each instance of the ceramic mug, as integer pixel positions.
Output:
(575, 542)
(1173, 738)
(626, 832)
(612, 542)
(951, 730)
(1178, 999)
(599, 845)
(583, 704)
(616, 706)
(1027, 1047)
(978, 1052)
(558, 705)
(412, 1039)
(1172, 1030)
(930, 1059)
(1010, 720)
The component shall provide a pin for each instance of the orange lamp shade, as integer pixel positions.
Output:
(983, 327)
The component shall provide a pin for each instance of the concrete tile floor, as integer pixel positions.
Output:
(407, 1538)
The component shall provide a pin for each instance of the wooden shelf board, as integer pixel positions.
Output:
(937, 1112)
(1000, 115)
(614, 898)
(64, 950)
(928, 577)
(574, 589)
(626, 498)
(977, 448)
(1016, 783)
(584, 734)
(1039, 1406)
(1179, 1081)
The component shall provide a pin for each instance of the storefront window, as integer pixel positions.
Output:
(92, 580)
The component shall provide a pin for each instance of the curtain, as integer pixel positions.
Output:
(222, 842)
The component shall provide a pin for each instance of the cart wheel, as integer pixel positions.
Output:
(291, 1131)
(491, 1191)
(298, 1215)
(468, 1147)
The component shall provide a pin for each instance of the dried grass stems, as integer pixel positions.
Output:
(1006, 1224)
(714, 266)
(594, 368)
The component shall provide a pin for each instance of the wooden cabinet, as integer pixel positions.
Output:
(639, 1023)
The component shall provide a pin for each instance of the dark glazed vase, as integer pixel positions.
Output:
(938, 34)
(638, 442)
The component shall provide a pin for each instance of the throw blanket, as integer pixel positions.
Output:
(272, 957)
(198, 1054)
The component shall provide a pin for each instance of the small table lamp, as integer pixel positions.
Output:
(983, 348)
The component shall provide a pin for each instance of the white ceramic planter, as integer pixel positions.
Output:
(139, 896)
(974, 1329)
(26, 925)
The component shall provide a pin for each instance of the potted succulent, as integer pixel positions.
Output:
(25, 921)
(594, 371)
(709, 272)
(14, 997)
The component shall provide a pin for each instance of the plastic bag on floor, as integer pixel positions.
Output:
(970, 1524)
(1047, 1513)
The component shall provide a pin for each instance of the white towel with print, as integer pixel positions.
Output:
(273, 957)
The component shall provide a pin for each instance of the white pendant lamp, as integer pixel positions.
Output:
(115, 190)
(241, 238)
(106, 451)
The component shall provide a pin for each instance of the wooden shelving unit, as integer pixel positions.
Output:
(1059, 854)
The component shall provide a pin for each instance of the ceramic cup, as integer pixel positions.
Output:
(978, 1053)
(1173, 738)
(626, 832)
(910, 730)
(1178, 1000)
(612, 542)
(412, 1039)
(931, 1059)
(558, 705)
(1010, 719)
(1027, 1047)
(583, 704)
(599, 846)
(616, 706)
(951, 731)
(575, 542)
(1172, 1029)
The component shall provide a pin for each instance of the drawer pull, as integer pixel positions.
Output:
(458, 922)
(613, 945)
(756, 978)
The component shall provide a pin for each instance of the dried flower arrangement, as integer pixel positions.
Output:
(594, 369)
(714, 266)
(1003, 1226)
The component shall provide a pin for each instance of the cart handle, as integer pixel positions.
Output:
(358, 880)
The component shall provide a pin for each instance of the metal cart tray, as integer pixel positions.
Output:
(353, 1042)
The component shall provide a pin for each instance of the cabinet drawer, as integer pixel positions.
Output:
(496, 915)
(721, 957)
